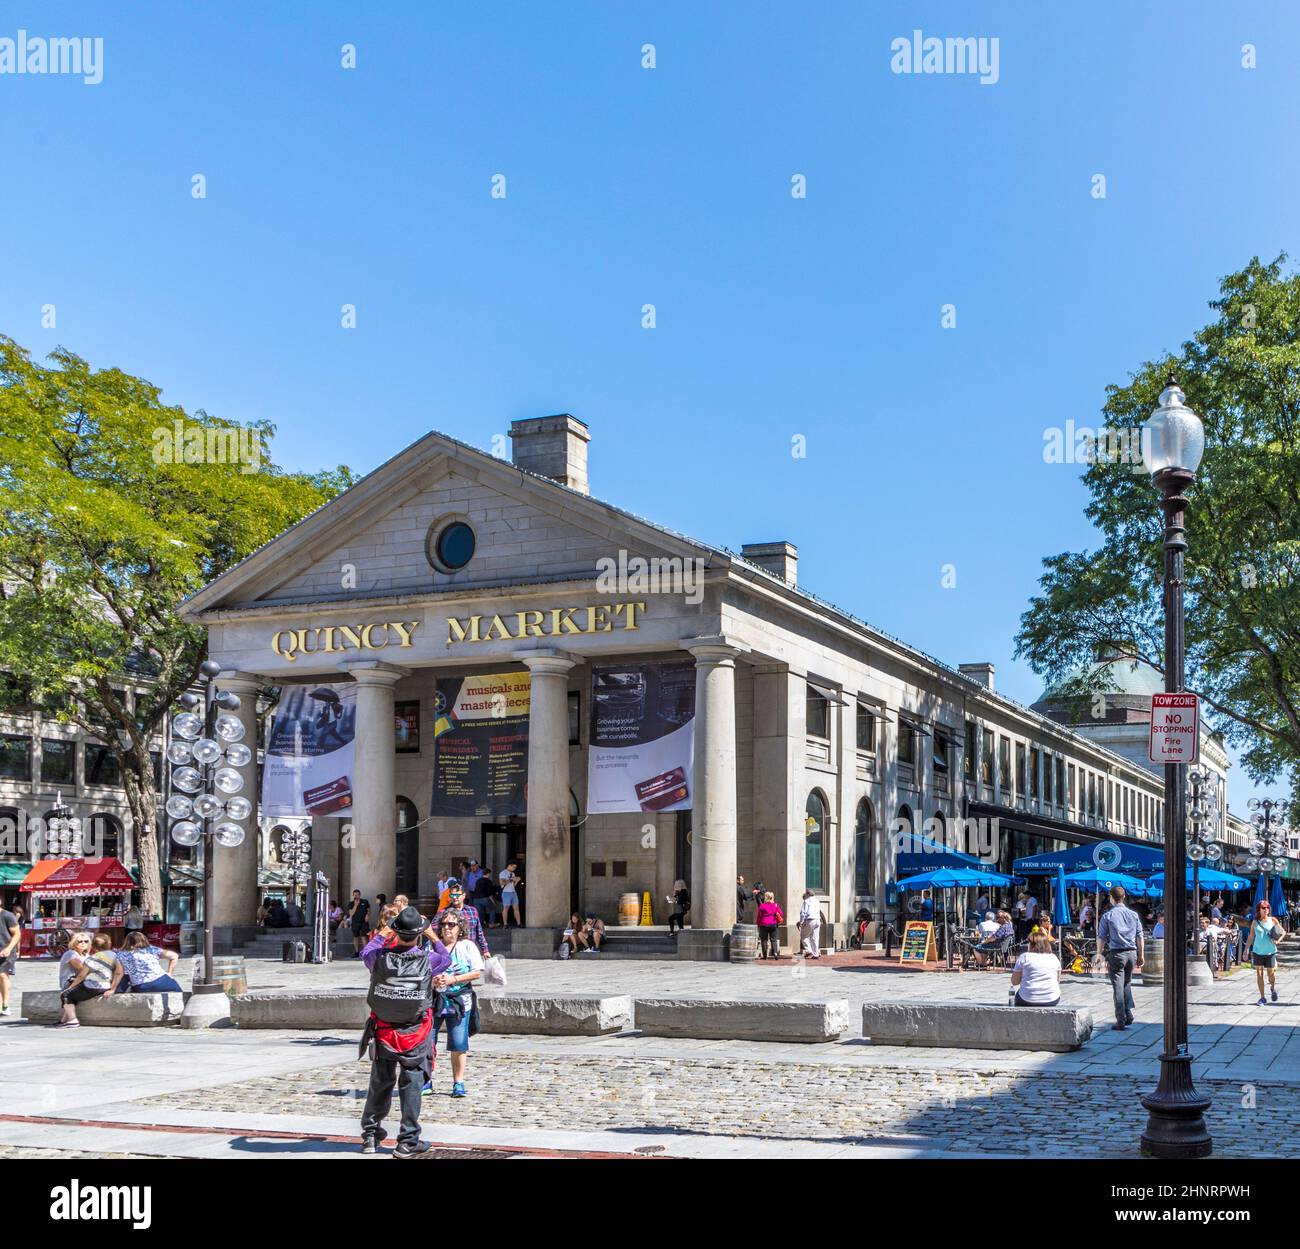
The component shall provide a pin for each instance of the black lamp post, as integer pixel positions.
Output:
(1176, 1127)
(1268, 851)
(206, 805)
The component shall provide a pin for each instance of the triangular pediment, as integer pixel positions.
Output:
(372, 541)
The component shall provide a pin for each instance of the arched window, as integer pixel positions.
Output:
(407, 866)
(940, 829)
(904, 829)
(104, 836)
(814, 840)
(863, 847)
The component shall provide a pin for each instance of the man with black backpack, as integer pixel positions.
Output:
(403, 977)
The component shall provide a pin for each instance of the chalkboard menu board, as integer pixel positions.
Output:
(918, 942)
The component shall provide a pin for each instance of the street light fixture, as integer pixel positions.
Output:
(1269, 848)
(206, 805)
(1176, 1127)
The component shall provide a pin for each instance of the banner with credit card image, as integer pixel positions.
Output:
(308, 763)
(642, 738)
(480, 745)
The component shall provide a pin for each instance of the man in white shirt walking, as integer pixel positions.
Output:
(810, 925)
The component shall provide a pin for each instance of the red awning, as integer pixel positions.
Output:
(79, 878)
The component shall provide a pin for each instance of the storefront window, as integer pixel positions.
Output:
(863, 846)
(15, 758)
(968, 759)
(1005, 779)
(814, 840)
(940, 748)
(818, 714)
(101, 766)
(1034, 757)
(906, 745)
(58, 762)
(986, 759)
(866, 729)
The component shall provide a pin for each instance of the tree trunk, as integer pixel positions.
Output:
(143, 801)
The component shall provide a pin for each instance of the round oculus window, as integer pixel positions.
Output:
(453, 547)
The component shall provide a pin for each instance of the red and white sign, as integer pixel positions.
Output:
(1175, 728)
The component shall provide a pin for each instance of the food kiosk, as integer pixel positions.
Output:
(78, 893)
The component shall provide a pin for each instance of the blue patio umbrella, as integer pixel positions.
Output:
(954, 878)
(1100, 881)
(1276, 902)
(1210, 878)
(1261, 889)
(1060, 908)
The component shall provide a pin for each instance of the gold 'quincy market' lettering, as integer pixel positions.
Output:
(328, 640)
(600, 618)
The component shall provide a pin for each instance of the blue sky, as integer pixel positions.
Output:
(776, 316)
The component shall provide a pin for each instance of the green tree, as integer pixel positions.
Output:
(117, 506)
(1241, 374)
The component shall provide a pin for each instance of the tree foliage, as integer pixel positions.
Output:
(1241, 374)
(107, 524)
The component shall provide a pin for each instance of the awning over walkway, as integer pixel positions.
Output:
(12, 874)
(80, 878)
(925, 855)
(1108, 856)
(162, 872)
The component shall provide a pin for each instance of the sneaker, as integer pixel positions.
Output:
(370, 1141)
(1262, 1002)
(1129, 1022)
(4, 1010)
(413, 1150)
(71, 1023)
(1275, 993)
(1121, 1027)
(458, 1089)
(427, 1089)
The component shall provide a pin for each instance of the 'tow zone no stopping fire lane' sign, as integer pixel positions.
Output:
(1175, 728)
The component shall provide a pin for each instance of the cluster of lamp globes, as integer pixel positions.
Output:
(1268, 850)
(1204, 814)
(190, 754)
(62, 832)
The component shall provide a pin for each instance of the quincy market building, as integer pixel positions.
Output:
(812, 736)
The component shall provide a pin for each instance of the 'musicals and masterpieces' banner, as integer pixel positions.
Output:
(642, 738)
(309, 755)
(480, 732)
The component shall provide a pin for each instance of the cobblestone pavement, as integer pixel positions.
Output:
(968, 1110)
(700, 1098)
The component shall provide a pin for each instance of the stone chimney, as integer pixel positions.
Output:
(781, 559)
(552, 446)
(983, 673)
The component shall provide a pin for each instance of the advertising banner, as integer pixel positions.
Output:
(309, 756)
(642, 738)
(480, 732)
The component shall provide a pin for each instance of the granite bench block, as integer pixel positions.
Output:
(113, 1010)
(961, 1026)
(741, 1019)
(550, 1014)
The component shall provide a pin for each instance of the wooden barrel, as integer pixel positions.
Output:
(744, 943)
(229, 972)
(1153, 960)
(629, 910)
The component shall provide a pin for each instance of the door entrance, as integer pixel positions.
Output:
(507, 843)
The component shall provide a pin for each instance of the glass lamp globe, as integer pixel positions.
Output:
(187, 779)
(228, 834)
(239, 808)
(1253, 805)
(230, 728)
(179, 807)
(1257, 846)
(179, 753)
(1251, 863)
(1213, 852)
(238, 755)
(187, 725)
(1175, 437)
(1257, 821)
(1266, 864)
(206, 806)
(186, 833)
(228, 780)
(1195, 853)
(206, 750)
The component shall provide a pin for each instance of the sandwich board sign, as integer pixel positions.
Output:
(918, 942)
(1175, 728)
